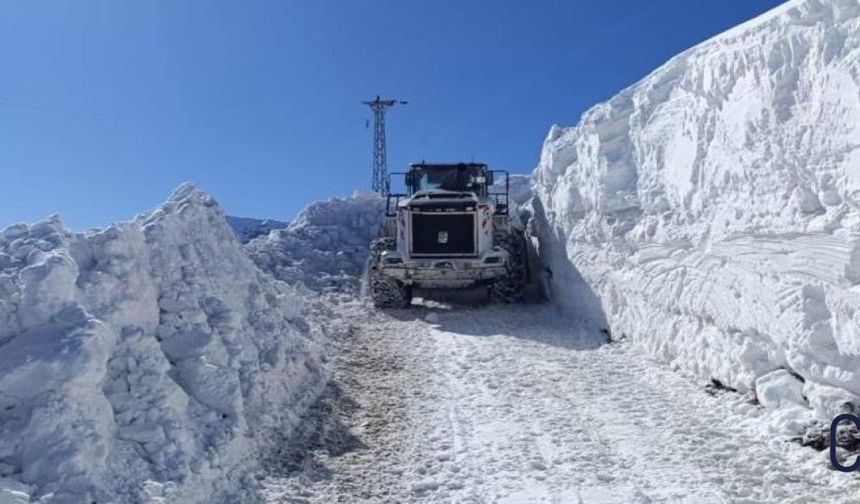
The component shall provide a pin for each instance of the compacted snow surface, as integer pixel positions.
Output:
(519, 405)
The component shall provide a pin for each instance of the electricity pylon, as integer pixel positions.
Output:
(380, 157)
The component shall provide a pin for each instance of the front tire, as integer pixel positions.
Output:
(386, 292)
(510, 288)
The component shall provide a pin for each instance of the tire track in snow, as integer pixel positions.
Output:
(514, 405)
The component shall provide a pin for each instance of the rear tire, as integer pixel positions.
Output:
(510, 288)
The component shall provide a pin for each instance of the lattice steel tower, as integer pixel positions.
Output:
(380, 157)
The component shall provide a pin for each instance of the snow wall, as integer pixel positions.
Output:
(146, 362)
(711, 211)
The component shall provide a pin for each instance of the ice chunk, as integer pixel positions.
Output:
(778, 389)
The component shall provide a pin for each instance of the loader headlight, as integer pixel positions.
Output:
(390, 257)
(493, 260)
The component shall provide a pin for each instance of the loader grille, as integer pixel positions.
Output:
(441, 234)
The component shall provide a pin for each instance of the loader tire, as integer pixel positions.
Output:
(386, 292)
(510, 288)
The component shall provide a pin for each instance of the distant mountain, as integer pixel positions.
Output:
(247, 229)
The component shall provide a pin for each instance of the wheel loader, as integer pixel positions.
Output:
(449, 230)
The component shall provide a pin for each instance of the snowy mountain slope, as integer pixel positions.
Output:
(325, 247)
(143, 362)
(711, 211)
(247, 228)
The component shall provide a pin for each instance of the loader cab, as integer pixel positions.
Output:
(460, 177)
(449, 180)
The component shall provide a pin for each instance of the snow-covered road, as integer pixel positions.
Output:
(515, 405)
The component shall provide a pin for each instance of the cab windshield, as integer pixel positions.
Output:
(467, 179)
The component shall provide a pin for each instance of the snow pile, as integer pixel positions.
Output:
(326, 246)
(145, 362)
(247, 228)
(712, 210)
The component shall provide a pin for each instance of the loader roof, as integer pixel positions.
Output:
(448, 165)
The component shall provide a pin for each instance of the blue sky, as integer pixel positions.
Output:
(107, 105)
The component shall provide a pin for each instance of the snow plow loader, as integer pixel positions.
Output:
(449, 230)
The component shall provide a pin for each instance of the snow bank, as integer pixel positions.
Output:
(712, 210)
(325, 247)
(247, 228)
(145, 362)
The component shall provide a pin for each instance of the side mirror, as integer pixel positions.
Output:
(409, 179)
(489, 179)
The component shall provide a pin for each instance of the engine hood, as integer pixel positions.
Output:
(442, 200)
